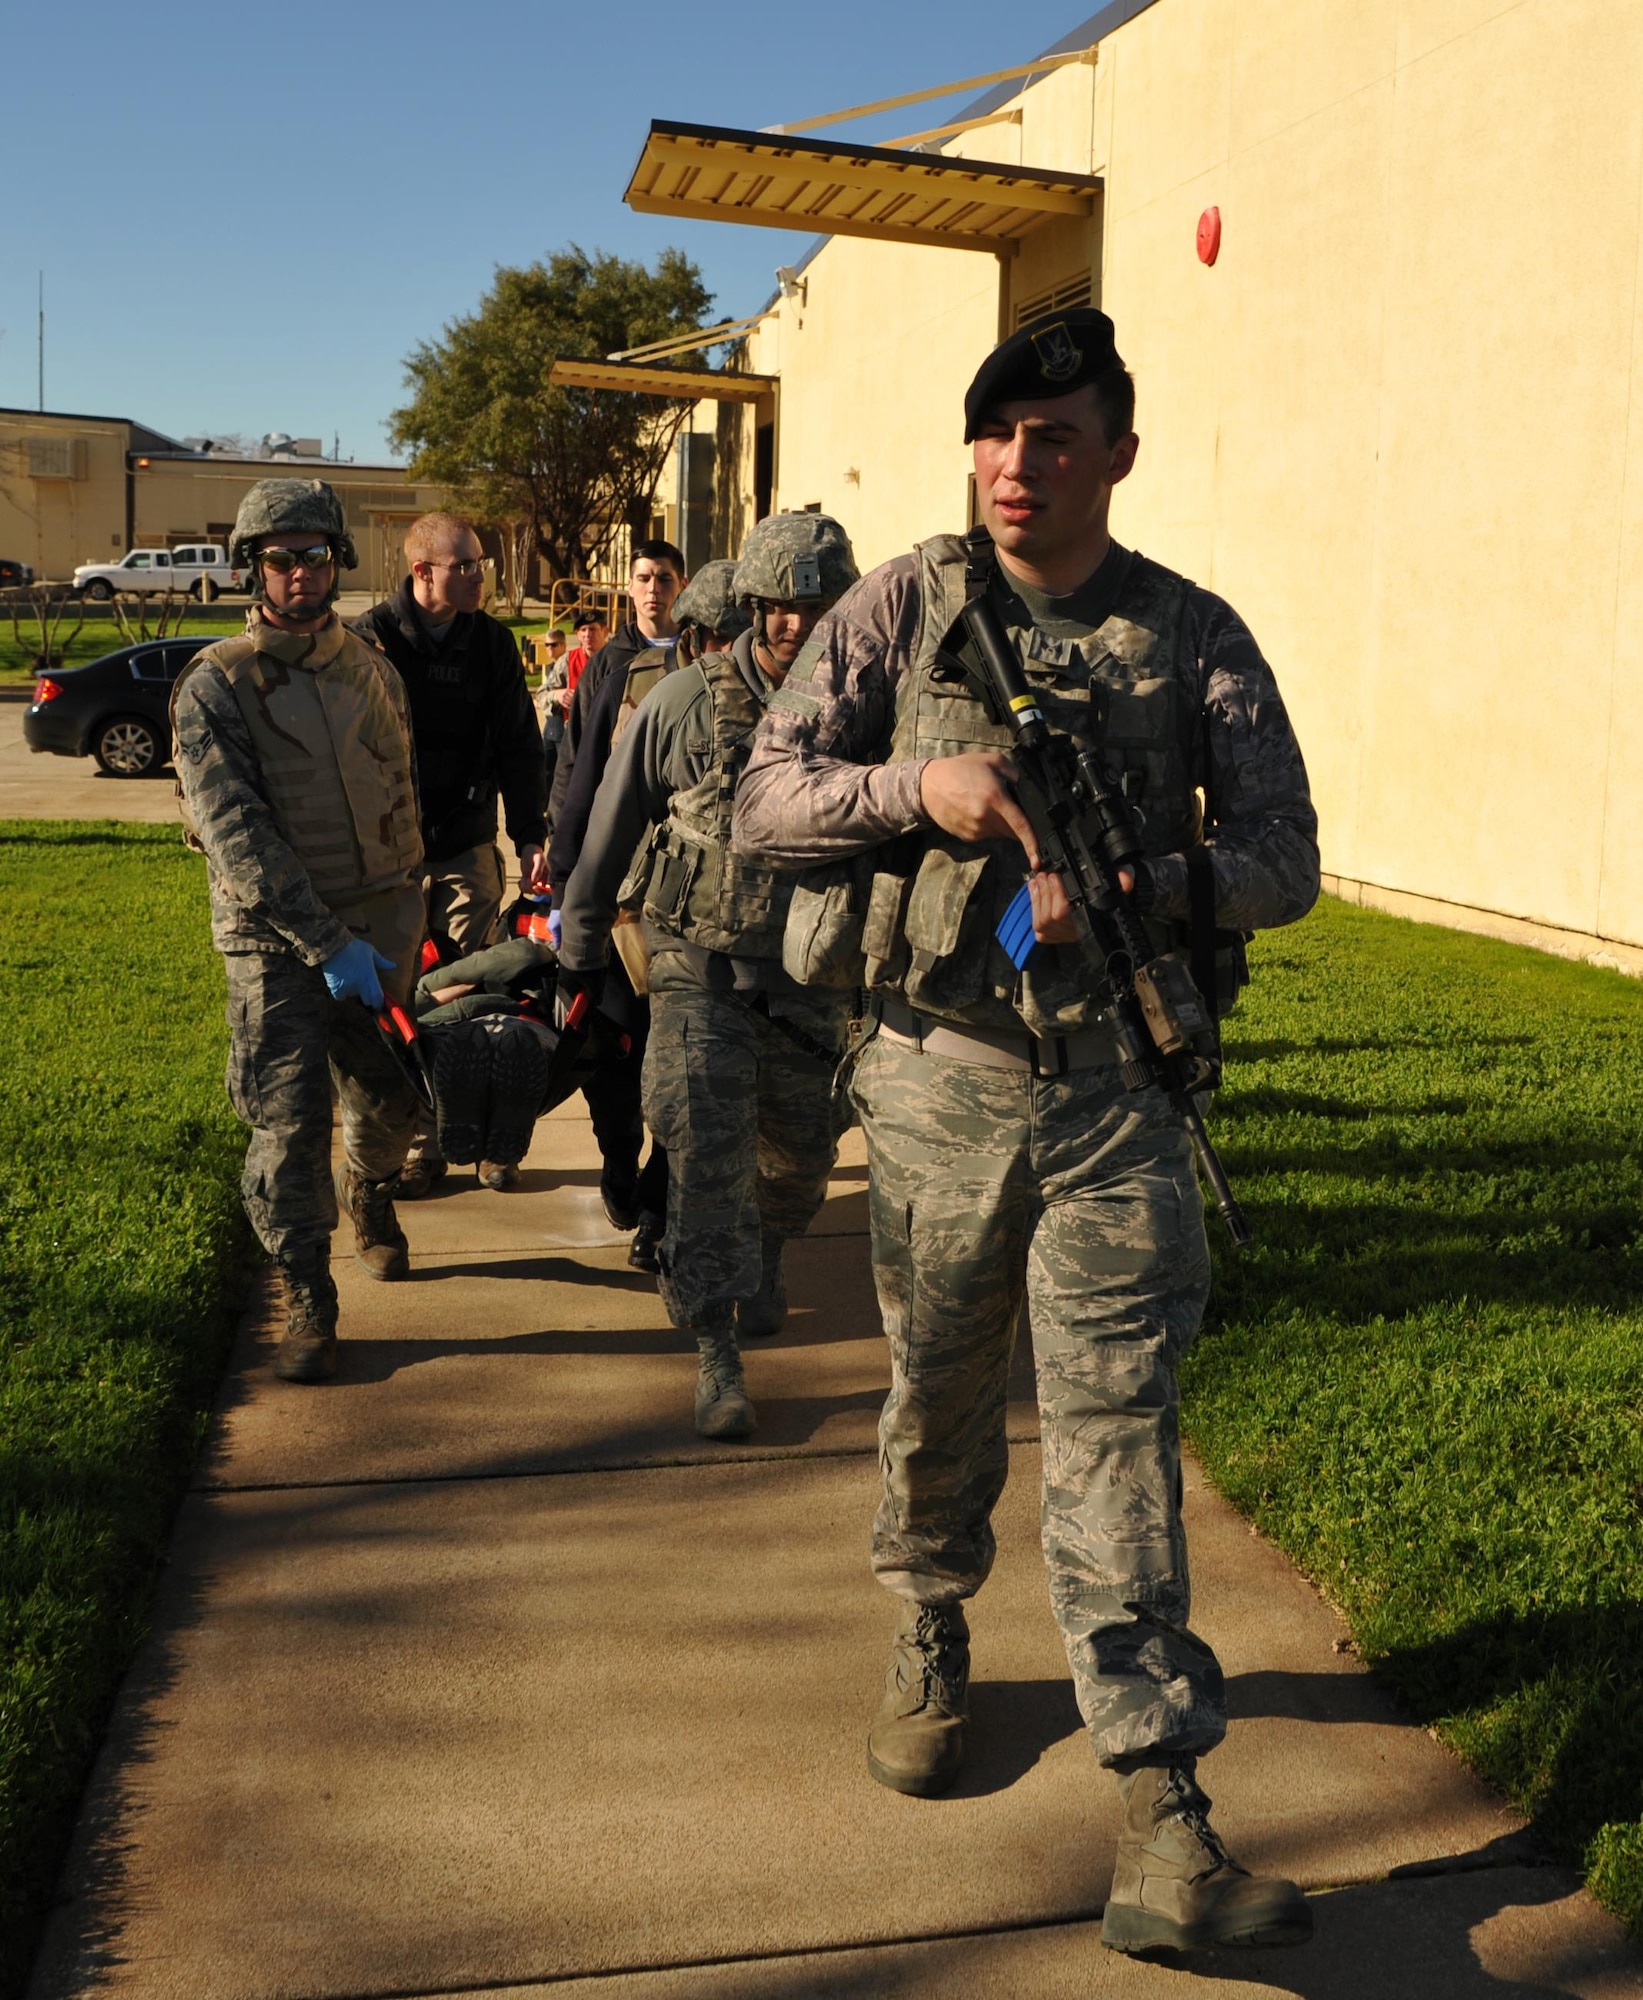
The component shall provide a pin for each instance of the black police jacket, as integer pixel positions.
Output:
(475, 728)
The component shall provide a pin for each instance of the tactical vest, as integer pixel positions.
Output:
(643, 672)
(700, 888)
(936, 901)
(334, 752)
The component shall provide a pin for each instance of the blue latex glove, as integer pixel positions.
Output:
(352, 972)
(556, 926)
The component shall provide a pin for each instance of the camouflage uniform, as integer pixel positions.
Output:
(739, 1064)
(1006, 1156)
(294, 764)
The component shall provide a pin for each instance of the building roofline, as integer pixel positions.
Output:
(171, 448)
(73, 416)
(162, 441)
(1103, 22)
(284, 458)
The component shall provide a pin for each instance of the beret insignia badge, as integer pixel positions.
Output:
(1059, 355)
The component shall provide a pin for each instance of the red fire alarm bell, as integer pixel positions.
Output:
(1209, 236)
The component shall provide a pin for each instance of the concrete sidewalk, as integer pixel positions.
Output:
(478, 1672)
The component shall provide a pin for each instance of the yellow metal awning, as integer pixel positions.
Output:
(717, 174)
(656, 378)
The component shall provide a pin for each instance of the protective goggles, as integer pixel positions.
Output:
(283, 561)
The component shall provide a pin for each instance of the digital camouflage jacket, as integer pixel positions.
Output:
(1170, 685)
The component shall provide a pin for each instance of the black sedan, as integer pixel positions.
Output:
(117, 709)
(13, 575)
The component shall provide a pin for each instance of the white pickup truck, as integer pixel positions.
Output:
(200, 570)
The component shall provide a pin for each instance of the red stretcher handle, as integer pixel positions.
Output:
(393, 1014)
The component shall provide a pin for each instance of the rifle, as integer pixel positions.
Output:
(1086, 834)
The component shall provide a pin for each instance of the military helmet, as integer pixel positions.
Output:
(796, 559)
(290, 507)
(709, 601)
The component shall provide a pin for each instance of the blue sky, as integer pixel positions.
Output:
(247, 218)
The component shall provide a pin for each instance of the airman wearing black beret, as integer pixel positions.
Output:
(1007, 1157)
(1049, 356)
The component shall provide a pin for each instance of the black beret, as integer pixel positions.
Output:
(1049, 356)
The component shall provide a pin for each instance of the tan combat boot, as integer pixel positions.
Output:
(308, 1353)
(1175, 1885)
(916, 1743)
(764, 1313)
(379, 1242)
(722, 1407)
(421, 1172)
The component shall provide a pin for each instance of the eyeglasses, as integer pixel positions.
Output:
(283, 561)
(470, 566)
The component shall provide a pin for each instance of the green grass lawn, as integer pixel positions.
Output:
(100, 635)
(122, 1259)
(1425, 1382)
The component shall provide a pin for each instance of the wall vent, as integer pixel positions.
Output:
(1059, 298)
(56, 458)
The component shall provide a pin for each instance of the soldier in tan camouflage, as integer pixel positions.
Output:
(1007, 1159)
(295, 768)
(738, 1078)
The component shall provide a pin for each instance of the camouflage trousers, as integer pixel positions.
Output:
(987, 1184)
(745, 1111)
(288, 1040)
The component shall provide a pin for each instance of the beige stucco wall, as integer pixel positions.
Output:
(56, 524)
(52, 524)
(180, 497)
(1395, 424)
(884, 341)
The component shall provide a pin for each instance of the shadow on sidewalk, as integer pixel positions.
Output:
(1015, 1723)
(1380, 1941)
(77, 1952)
(546, 1270)
(1299, 1697)
(1581, 1661)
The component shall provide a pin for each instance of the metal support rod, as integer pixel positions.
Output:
(687, 343)
(941, 90)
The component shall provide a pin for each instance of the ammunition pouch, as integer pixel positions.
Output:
(826, 917)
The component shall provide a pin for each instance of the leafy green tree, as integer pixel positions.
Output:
(569, 466)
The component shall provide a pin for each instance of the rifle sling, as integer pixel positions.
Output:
(1201, 908)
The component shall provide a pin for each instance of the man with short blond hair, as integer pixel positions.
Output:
(476, 738)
